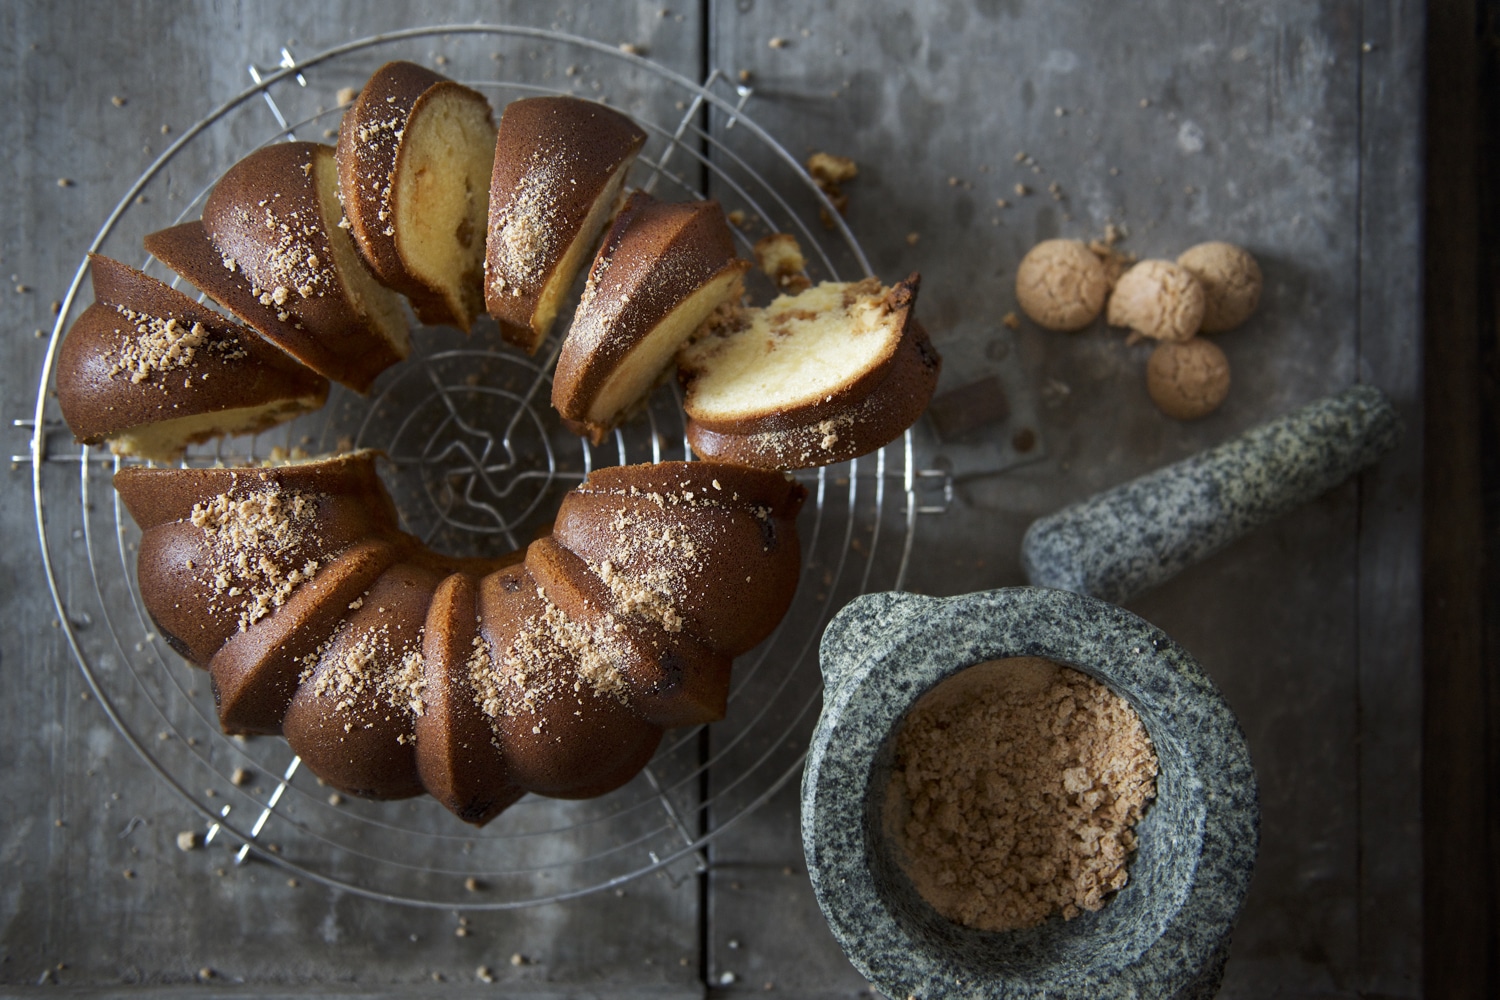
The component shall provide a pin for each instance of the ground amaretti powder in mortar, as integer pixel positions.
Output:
(1014, 793)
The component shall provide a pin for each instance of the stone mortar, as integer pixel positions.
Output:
(1165, 935)
(1132, 537)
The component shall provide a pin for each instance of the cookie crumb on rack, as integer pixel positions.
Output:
(781, 259)
(831, 172)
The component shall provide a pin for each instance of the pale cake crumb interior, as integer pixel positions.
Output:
(164, 440)
(380, 305)
(795, 352)
(645, 364)
(600, 212)
(442, 198)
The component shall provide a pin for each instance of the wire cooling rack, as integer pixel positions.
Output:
(477, 462)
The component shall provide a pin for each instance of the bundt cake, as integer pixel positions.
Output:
(150, 371)
(560, 166)
(271, 250)
(392, 670)
(823, 376)
(415, 155)
(389, 668)
(661, 271)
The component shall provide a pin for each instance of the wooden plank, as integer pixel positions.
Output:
(1389, 620)
(66, 908)
(1291, 141)
(1182, 123)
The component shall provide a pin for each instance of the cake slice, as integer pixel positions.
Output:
(256, 673)
(671, 679)
(271, 250)
(556, 705)
(822, 376)
(705, 548)
(662, 270)
(224, 550)
(458, 758)
(150, 371)
(353, 717)
(415, 155)
(560, 165)
(875, 421)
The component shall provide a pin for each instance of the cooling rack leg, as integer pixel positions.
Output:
(674, 818)
(265, 814)
(289, 63)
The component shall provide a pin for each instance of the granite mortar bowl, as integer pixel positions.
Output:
(1164, 935)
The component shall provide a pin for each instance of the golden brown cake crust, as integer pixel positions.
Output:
(350, 355)
(352, 719)
(369, 147)
(360, 507)
(554, 158)
(711, 544)
(655, 256)
(458, 757)
(860, 426)
(900, 306)
(194, 523)
(570, 741)
(392, 669)
(144, 353)
(265, 221)
(673, 680)
(256, 673)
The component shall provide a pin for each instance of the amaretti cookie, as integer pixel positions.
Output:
(150, 371)
(415, 155)
(560, 165)
(823, 376)
(662, 270)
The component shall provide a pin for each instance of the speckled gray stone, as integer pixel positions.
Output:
(1125, 540)
(1165, 935)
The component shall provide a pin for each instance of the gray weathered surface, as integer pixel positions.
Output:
(1293, 142)
(63, 898)
(1267, 113)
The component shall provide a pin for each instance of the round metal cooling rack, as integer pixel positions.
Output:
(477, 463)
